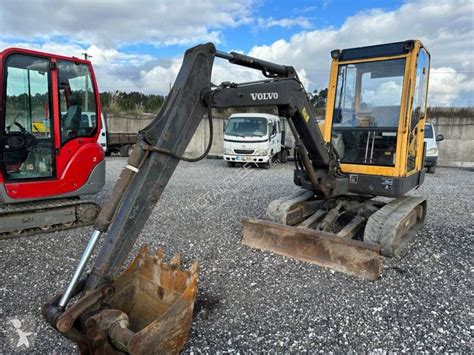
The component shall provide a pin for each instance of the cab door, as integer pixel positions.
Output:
(26, 126)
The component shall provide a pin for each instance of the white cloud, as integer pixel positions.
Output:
(446, 85)
(388, 93)
(446, 29)
(159, 78)
(106, 62)
(288, 22)
(109, 23)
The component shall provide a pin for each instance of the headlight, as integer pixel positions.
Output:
(432, 151)
(261, 152)
(228, 151)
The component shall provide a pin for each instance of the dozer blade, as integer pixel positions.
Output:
(148, 311)
(324, 249)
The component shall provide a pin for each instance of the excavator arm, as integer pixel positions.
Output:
(159, 148)
(162, 143)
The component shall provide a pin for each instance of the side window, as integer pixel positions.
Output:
(76, 100)
(27, 129)
(346, 80)
(419, 97)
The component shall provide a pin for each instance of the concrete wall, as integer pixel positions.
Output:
(457, 149)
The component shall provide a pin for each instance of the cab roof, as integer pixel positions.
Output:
(379, 50)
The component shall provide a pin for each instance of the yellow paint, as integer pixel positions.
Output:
(321, 126)
(404, 120)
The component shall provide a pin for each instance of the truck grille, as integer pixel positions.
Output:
(243, 151)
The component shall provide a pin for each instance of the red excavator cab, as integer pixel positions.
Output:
(49, 125)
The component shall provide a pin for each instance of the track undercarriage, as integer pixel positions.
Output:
(32, 218)
(347, 233)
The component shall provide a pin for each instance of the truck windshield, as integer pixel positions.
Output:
(428, 131)
(247, 126)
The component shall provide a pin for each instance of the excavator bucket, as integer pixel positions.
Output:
(158, 299)
(149, 309)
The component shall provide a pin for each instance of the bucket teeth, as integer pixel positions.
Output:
(143, 250)
(160, 255)
(194, 269)
(175, 262)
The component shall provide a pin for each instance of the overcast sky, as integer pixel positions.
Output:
(138, 45)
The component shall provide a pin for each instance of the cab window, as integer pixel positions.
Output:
(274, 128)
(76, 100)
(421, 86)
(27, 132)
(366, 111)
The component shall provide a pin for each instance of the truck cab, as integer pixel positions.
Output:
(256, 138)
(431, 141)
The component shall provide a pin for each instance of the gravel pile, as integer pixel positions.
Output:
(254, 301)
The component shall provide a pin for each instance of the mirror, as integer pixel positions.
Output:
(439, 138)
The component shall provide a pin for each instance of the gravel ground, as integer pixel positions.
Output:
(254, 301)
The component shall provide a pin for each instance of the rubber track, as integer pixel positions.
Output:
(382, 225)
(27, 208)
(277, 210)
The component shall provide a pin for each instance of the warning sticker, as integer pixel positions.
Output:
(387, 184)
(305, 115)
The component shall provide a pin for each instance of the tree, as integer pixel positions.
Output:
(318, 100)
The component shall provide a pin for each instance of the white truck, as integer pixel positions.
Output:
(88, 122)
(431, 140)
(257, 138)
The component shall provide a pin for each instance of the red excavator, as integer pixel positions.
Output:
(49, 155)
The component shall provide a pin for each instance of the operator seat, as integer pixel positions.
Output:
(71, 121)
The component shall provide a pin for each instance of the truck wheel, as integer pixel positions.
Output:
(284, 156)
(124, 150)
(230, 164)
(268, 164)
(108, 153)
(431, 169)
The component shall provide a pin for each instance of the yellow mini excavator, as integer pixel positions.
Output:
(369, 146)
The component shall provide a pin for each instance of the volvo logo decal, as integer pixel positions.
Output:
(260, 96)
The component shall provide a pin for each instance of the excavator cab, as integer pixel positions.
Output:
(376, 114)
(47, 150)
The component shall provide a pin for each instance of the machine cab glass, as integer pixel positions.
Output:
(366, 111)
(33, 128)
(28, 139)
(76, 100)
